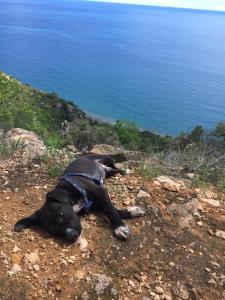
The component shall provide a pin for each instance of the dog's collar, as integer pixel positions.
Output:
(67, 177)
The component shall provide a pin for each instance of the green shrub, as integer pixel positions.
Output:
(128, 133)
(151, 169)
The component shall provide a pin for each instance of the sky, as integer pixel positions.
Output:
(197, 4)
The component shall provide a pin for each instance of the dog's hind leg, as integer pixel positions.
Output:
(131, 212)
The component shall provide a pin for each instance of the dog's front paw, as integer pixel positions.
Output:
(123, 232)
(136, 211)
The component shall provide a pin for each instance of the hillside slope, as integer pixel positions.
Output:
(176, 250)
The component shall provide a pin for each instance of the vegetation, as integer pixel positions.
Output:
(60, 123)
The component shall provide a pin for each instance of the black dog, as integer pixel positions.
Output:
(79, 189)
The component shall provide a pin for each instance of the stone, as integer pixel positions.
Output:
(199, 223)
(190, 175)
(36, 268)
(102, 282)
(166, 297)
(85, 296)
(220, 234)
(212, 202)
(114, 291)
(164, 179)
(16, 249)
(212, 282)
(131, 283)
(142, 195)
(83, 243)
(172, 264)
(28, 141)
(32, 258)
(15, 269)
(159, 290)
(169, 184)
(181, 291)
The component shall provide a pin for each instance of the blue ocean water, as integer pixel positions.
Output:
(161, 68)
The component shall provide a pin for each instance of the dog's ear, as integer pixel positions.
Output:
(26, 222)
(58, 195)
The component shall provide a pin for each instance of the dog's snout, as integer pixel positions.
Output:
(71, 235)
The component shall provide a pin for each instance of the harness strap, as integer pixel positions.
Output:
(77, 186)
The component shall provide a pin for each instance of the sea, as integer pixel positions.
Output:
(162, 68)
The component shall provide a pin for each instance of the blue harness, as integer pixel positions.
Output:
(67, 177)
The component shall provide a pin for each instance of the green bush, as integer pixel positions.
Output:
(128, 133)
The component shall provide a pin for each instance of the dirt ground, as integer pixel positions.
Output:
(175, 251)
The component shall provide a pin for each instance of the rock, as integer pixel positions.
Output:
(181, 292)
(210, 194)
(142, 195)
(190, 175)
(83, 243)
(80, 274)
(32, 145)
(172, 264)
(220, 234)
(15, 269)
(186, 211)
(166, 297)
(32, 258)
(36, 268)
(85, 296)
(199, 223)
(114, 291)
(159, 290)
(212, 282)
(16, 249)
(102, 282)
(212, 202)
(168, 183)
(104, 148)
(58, 288)
(131, 283)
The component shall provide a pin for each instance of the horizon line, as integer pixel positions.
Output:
(160, 6)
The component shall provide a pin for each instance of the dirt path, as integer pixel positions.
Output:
(173, 252)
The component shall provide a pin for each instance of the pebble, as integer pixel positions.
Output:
(15, 269)
(172, 264)
(166, 297)
(212, 202)
(220, 234)
(212, 282)
(199, 223)
(36, 268)
(159, 290)
(83, 243)
(32, 258)
(114, 291)
(16, 249)
(131, 283)
(142, 195)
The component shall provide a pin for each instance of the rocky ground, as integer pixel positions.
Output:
(176, 251)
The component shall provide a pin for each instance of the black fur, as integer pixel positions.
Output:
(57, 215)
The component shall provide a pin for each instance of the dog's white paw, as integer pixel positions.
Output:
(136, 211)
(123, 232)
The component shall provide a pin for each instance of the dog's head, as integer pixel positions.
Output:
(56, 216)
